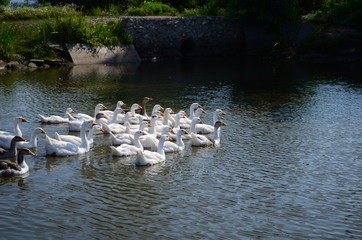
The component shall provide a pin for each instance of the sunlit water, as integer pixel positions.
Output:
(289, 165)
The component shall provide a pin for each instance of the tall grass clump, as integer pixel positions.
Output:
(153, 9)
(8, 42)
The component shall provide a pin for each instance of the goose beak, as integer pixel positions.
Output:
(24, 120)
(203, 111)
(44, 132)
(104, 107)
(162, 114)
(105, 116)
(161, 108)
(139, 107)
(201, 122)
(123, 111)
(94, 123)
(186, 132)
(149, 125)
(172, 111)
(144, 133)
(31, 153)
(150, 99)
(224, 124)
(199, 106)
(172, 131)
(101, 129)
(223, 113)
(170, 139)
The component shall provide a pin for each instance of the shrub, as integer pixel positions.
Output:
(152, 9)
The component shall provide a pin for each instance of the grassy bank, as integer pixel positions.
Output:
(26, 31)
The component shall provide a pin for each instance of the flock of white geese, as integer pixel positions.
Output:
(131, 133)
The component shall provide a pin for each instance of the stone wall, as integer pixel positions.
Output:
(163, 37)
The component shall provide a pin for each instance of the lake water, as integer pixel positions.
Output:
(289, 165)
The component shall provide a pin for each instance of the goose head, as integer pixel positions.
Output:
(219, 124)
(39, 131)
(22, 152)
(120, 104)
(100, 106)
(146, 99)
(181, 132)
(20, 120)
(157, 107)
(168, 111)
(139, 133)
(69, 110)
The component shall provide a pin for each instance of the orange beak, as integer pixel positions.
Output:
(31, 153)
(101, 129)
(24, 120)
(94, 123)
(44, 132)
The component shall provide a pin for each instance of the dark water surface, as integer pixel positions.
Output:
(289, 165)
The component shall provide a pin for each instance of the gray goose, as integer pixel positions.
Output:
(9, 168)
(12, 151)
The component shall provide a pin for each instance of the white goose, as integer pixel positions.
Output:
(148, 158)
(168, 119)
(110, 113)
(186, 123)
(203, 141)
(178, 117)
(76, 124)
(151, 141)
(115, 115)
(33, 143)
(62, 148)
(179, 145)
(206, 128)
(56, 119)
(6, 137)
(134, 119)
(129, 150)
(86, 117)
(78, 140)
(9, 168)
(128, 136)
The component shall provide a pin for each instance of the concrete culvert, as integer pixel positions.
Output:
(187, 47)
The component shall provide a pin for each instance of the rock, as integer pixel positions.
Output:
(37, 62)
(32, 65)
(13, 65)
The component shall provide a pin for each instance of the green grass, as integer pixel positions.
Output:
(44, 12)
